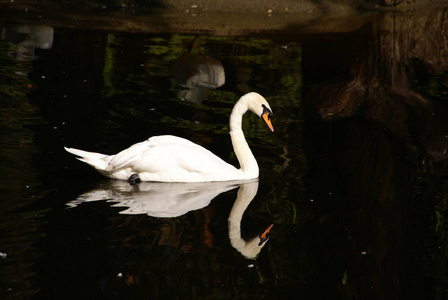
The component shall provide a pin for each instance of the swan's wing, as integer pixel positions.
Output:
(129, 156)
(169, 154)
(177, 158)
(202, 161)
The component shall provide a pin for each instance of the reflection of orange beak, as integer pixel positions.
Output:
(265, 234)
(267, 120)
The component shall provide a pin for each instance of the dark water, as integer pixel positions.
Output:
(354, 178)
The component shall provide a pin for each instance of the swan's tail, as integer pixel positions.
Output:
(97, 160)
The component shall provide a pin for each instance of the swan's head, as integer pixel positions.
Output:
(259, 106)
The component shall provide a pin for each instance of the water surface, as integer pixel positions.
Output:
(354, 177)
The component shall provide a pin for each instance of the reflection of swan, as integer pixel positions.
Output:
(197, 73)
(173, 159)
(156, 199)
(251, 248)
(169, 200)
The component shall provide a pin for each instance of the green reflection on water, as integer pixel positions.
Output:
(147, 73)
(20, 183)
(17, 116)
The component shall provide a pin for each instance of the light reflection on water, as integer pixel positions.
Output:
(171, 200)
(353, 179)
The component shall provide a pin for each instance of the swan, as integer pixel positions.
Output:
(168, 158)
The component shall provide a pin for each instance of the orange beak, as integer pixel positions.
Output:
(267, 120)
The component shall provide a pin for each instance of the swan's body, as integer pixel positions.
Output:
(169, 158)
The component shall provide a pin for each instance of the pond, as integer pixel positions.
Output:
(354, 178)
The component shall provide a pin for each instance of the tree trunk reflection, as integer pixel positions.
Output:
(381, 116)
(383, 72)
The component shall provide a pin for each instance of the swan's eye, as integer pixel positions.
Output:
(266, 111)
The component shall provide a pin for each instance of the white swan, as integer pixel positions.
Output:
(169, 158)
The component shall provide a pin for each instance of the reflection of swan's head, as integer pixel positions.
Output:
(252, 247)
(258, 105)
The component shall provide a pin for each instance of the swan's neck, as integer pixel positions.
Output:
(247, 161)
